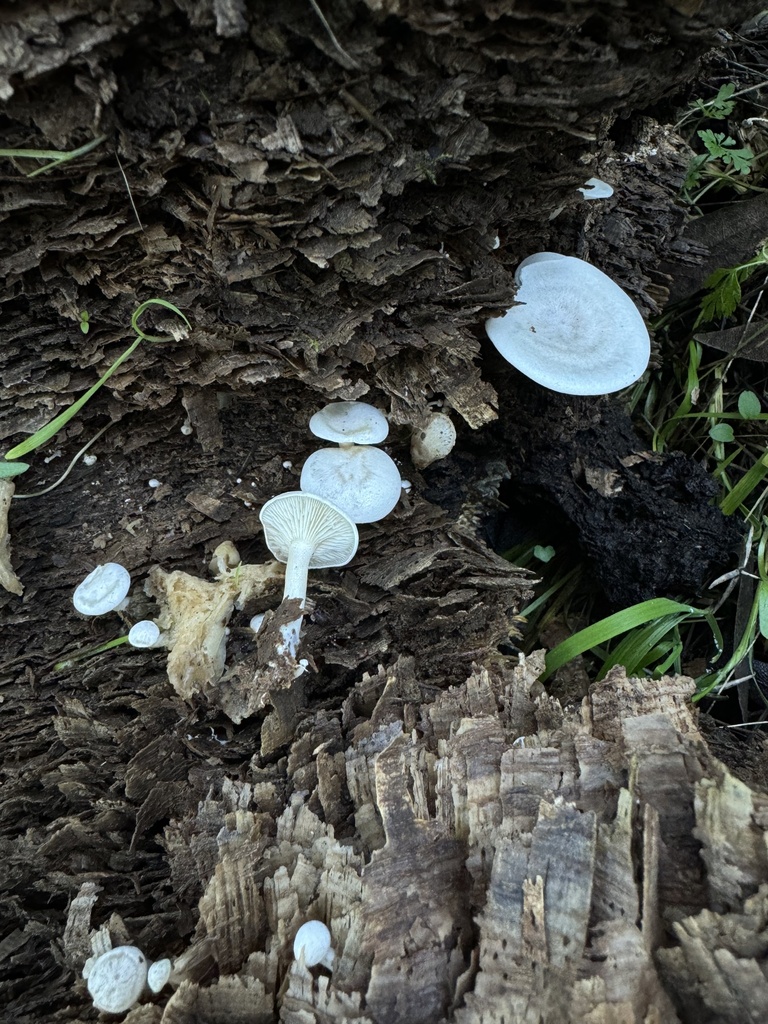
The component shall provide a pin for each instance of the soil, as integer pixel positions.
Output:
(336, 214)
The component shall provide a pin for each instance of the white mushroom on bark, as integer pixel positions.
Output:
(361, 480)
(306, 532)
(350, 423)
(117, 978)
(313, 944)
(433, 441)
(145, 633)
(574, 330)
(102, 590)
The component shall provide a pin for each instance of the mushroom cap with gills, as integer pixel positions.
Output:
(299, 517)
(574, 330)
(360, 480)
(350, 423)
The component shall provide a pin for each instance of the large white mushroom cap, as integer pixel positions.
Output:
(350, 423)
(575, 330)
(102, 590)
(117, 979)
(360, 480)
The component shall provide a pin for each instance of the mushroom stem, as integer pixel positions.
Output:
(296, 576)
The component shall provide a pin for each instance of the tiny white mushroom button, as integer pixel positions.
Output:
(313, 941)
(158, 975)
(434, 441)
(117, 979)
(144, 634)
(102, 590)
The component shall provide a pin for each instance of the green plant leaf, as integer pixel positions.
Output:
(9, 469)
(749, 405)
(610, 627)
(721, 432)
(544, 554)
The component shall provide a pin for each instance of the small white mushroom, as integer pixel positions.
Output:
(306, 532)
(350, 423)
(144, 634)
(256, 621)
(574, 330)
(158, 975)
(594, 188)
(313, 942)
(117, 979)
(102, 590)
(433, 441)
(360, 480)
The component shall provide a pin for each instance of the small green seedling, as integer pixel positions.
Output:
(723, 288)
(85, 325)
(10, 468)
(724, 163)
(720, 106)
(544, 553)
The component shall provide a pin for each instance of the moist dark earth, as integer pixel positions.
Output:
(336, 214)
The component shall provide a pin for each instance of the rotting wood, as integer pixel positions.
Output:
(501, 880)
(319, 256)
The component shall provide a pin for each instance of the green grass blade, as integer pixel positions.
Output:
(742, 489)
(637, 648)
(47, 432)
(610, 627)
(55, 156)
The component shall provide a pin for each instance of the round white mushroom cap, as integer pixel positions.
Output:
(158, 974)
(298, 517)
(117, 979)
(313, 940)
(350, 423)
(102, 590)
(575, 330)
(144, 634)
(433, 441)
(360, 480)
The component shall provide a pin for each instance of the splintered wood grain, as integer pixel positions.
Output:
(481, 873)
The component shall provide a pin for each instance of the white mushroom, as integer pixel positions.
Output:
(313, 942)
(158, 975)
(117, 979)
(102, 590)
(350, 423)
(433, 441)
(306, 532)
(144, 634)
(575, 331)
(360, 480)
(594, 188)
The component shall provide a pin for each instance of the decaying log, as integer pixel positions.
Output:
(511, 860)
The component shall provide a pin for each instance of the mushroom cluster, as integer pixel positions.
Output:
(105, 590)
(119, 977)
(315, 527)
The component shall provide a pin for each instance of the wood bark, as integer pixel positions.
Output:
(323, 196)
